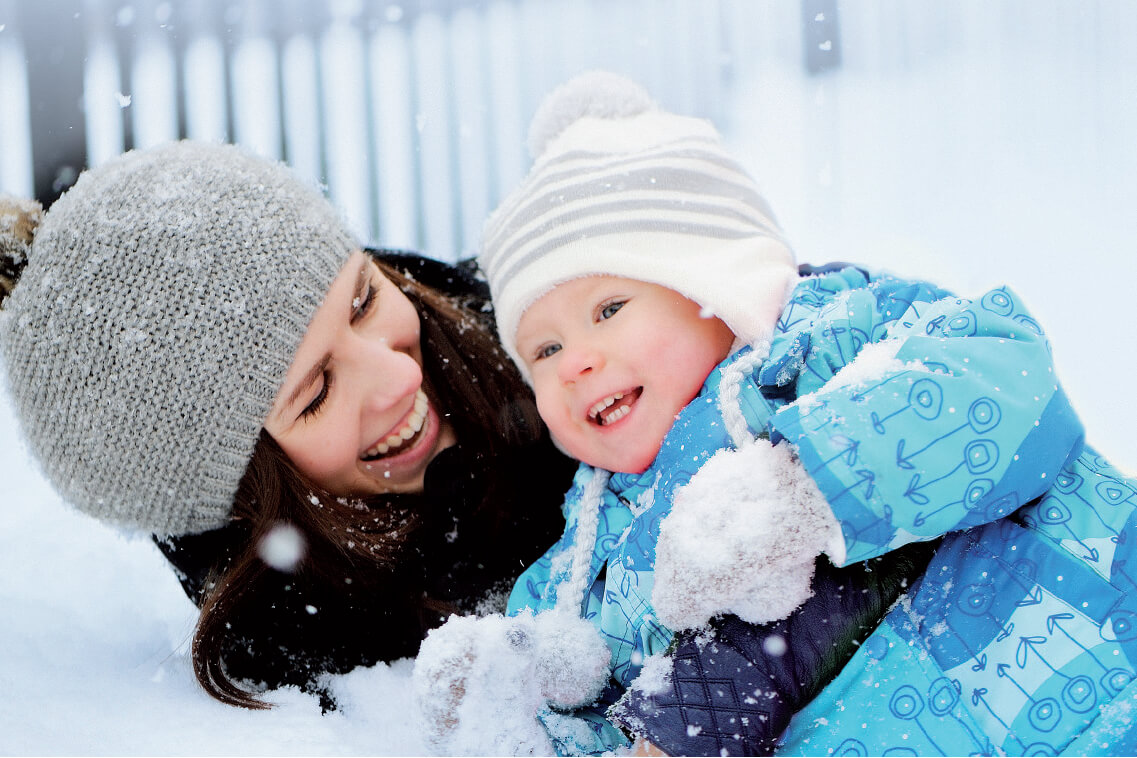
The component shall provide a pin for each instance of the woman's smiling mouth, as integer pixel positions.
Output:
(614, 407)
(394, 442)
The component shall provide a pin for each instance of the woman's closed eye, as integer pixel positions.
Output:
(361, 305)
(313, 407)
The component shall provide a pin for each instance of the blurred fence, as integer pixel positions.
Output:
(412, 114)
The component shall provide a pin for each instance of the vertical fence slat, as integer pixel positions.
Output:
(256, 105)
(16, 172)
(471, 141)
(153, 92)
(255, 77)
(349, 169)
(392, 116)
(103, 98)
(205, 107)
(204, 92)
(432, 122)
(507, 117)
(299, 65)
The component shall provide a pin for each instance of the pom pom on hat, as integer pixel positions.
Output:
(597, 94)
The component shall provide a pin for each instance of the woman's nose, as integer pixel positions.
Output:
(385, 374)
(578, 361)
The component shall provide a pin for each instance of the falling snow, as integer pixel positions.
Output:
(1027, 177)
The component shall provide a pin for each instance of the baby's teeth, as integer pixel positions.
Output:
(606, 402)
(617, 414)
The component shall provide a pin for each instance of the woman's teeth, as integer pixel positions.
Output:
(398, 438)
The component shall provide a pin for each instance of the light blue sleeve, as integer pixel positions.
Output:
(956, 418)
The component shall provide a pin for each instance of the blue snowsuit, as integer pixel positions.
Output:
(621, 574)
(1020, 636)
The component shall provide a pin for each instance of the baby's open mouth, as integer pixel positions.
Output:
(614, 407)
(404, 436)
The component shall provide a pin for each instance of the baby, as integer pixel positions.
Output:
(736, 425)
(632, 274)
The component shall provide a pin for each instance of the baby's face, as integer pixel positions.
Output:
(613, 361)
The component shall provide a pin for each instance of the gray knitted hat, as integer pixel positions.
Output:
(624, 188)
(163, 299)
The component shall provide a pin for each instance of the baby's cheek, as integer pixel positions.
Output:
(556, 418)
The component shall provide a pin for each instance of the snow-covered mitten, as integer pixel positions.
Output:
(480, 682)
(741, 538)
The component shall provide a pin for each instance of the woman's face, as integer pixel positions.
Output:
(352, 414)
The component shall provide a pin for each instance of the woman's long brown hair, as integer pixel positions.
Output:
(489, 406)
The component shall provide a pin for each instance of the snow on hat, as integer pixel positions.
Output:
(620, 187)
(163, 299)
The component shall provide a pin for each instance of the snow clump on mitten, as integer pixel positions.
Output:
(572, 660)
(742, 538)
(479, 683)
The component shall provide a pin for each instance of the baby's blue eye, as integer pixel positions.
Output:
(546, 350)
(609, 309)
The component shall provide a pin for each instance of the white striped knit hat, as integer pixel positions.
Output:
(620, 187)
(162, 302)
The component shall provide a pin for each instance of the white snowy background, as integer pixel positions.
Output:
(985, 144)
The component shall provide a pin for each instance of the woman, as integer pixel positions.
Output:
(198, 348)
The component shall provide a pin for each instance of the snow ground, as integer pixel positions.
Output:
(970, 171)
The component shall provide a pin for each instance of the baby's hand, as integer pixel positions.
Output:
(480, 682)
(742, 537)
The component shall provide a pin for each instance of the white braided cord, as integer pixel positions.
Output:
(730, 389)
(587, 524)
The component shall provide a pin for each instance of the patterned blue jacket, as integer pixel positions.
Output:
(1020, 637)
(621, 573)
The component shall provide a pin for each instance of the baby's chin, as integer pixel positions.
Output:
(619, 462)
